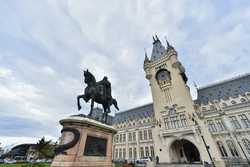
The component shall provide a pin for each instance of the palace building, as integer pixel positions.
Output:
(176, 129)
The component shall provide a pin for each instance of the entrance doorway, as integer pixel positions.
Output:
(183, 151)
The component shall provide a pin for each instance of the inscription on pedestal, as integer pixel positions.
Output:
(95, 146)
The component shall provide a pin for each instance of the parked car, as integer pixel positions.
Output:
(145, 159)
(12, 161)
(120, 161)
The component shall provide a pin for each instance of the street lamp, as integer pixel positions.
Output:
(207, 146)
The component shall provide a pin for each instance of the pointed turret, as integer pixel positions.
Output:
(146, 57)
(154, 39)
(169, 46)
(158, 50)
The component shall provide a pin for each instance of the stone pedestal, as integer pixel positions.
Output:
(84, 143)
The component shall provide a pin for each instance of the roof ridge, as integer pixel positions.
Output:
(224, 81)
(134, 108)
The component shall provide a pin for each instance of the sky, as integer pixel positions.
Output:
(45, 46)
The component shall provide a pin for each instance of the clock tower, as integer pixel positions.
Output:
(174, 132)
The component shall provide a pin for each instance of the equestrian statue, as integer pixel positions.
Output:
(99, 92)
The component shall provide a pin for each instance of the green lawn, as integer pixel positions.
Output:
(25, 165)
(34, 165)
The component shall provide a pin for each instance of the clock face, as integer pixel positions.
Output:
(163, 75)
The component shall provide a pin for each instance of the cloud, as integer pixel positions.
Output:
(45, 45)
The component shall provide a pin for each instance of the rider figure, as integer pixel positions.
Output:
(107, 85)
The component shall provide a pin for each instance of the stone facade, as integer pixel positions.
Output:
(214, 128)
(224, 108)
(134, 139)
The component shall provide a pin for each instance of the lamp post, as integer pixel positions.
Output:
(207, 146)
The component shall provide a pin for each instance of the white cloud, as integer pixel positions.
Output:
(45, 45)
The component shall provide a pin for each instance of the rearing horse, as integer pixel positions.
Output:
(97, 92)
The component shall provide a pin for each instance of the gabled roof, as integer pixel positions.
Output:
(134, 113)
(223, 90)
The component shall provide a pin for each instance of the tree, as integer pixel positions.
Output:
(1, 150)
(45, 148)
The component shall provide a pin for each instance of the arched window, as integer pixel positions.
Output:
(245, 120)
(211, 126)
(212, 107)
(246, 143)
(233, 102)
(224, 104)
(232, 148)
(163, 75)
(243, 100)
(222, 149)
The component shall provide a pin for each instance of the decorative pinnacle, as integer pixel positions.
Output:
(146, 56)
(154, 39)
(169, 46)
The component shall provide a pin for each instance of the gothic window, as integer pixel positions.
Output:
(235, 123)
(222, 149)
(124, 137)
(120, 138)
(246, 143)
(134, 136)
(232, 148)
(183, 120)
(130, 153)
(140, 135)
(120, 153)
(145, 135)
(124, 153)
(152, 151)
(141, 152)
(174, 122)
(167, 124)
(147, 151)
(129, 136)
(220, 125)
(211, 126)
(135, 153)
(116, 153)
(245, 120)
(117, 138)
(150, 134)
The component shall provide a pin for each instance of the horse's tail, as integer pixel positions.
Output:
(115, 104)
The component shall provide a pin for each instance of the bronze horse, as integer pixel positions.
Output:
(99, 92)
